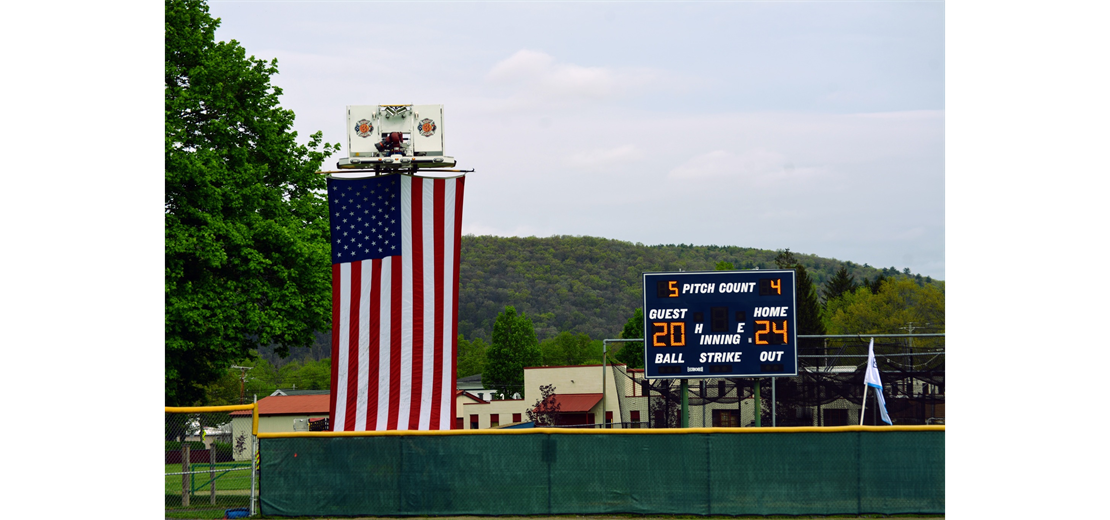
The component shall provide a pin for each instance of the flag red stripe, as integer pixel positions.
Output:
(455, 307)
(374, 351)
(417, 302)
(394, 343)
(335, 305)
(352, 351)
(437, 370)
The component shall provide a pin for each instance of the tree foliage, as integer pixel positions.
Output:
(632, 353)
(842, 282)
(247, 250)
(874, 285)
(471, 357)
(568, 349)
(898, 302)
(263, 378)
(546, 409)
(514, 347)
(784, 259)
(809, 309)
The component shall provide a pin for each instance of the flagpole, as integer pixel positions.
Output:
(864, 408)
(871, 378)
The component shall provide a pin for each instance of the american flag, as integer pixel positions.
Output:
(395, 270)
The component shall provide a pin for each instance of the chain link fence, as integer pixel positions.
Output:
(210, 462)
(828, 390)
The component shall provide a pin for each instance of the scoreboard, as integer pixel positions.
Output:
(720, 324)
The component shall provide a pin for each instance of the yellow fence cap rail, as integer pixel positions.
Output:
(607, 431)
(205, 409)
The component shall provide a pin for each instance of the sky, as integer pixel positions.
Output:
(813, 126)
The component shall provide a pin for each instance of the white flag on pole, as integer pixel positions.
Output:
(872, 379)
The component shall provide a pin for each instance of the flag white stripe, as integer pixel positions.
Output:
(427, 236)
(385, 320)
(406, 304)
(363, 344)
(447, 393)
(344, 343)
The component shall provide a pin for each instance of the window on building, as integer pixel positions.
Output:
(835, 417)
(721, 388)
(516, 417)
(590, 418)
(635, 418)
(473, 421)
(458, 423)
(726, 418)
(494, 420)
(608, 417)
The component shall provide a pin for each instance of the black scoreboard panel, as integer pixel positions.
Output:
(720, 324)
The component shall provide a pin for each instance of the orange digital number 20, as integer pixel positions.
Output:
(674, 331)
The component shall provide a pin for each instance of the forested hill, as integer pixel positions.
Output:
(592, 285)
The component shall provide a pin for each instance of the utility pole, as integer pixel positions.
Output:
(242, 379)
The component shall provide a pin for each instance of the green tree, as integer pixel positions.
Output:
(632, 353)
(842, 282)
(724, 266)
(246, 236)
(514, 347)
(226, 389)
(874, 285)
(567, 349)
(472, 357)
(898, 302)
(315, 375)
(784, 259)
(259, 380)
(809, 309)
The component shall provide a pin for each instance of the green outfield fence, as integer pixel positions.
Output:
(699, 471)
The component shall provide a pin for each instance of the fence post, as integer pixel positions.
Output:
(758, 406)
(254, 457)
(701, 390)
(185, 474)
(773, 398)
(739, 403)
(212, 471)
(685, 387)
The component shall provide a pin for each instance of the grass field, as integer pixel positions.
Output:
(237, 479)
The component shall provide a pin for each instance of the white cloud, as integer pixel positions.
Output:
(755, 166)
(535, 76)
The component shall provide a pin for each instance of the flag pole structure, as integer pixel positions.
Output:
(395, 246)
(864, 408)
(871, 378)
